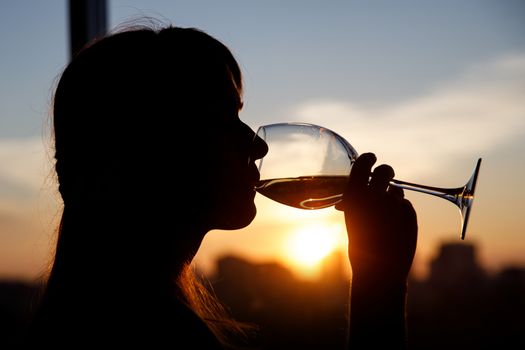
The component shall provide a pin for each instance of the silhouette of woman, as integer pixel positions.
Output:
(150, 156)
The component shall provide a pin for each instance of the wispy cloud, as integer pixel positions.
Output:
(462, 119)
(25, 168)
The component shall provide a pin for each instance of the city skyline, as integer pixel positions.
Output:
(457, 305)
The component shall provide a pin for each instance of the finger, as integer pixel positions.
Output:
(381, 178)
(359, 175)
(396, 191)
(361, 169)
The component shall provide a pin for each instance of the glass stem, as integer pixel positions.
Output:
(453, 195)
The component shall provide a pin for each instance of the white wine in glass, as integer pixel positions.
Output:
(307, 167)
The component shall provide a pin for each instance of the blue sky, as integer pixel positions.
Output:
(429, 86)
(369, 51)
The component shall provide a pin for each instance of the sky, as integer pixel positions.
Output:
(428, 86)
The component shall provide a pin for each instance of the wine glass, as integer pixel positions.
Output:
(307, 167)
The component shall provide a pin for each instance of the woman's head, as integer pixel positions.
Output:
(147, 120)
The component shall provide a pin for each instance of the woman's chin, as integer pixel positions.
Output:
(239, 218)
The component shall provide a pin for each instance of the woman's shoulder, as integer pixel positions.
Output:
(189, 328)
(154, 324)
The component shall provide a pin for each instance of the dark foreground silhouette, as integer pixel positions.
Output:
(458, 306)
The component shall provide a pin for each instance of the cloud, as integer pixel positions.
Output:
(25, 168)
(460, 120)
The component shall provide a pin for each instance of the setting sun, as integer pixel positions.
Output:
(308, 246)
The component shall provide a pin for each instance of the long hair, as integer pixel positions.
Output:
(199, 296)
(97, 95)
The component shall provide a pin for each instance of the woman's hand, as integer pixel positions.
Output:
(382, 236)
(381, 224)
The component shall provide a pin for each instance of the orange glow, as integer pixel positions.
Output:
(307, 246)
